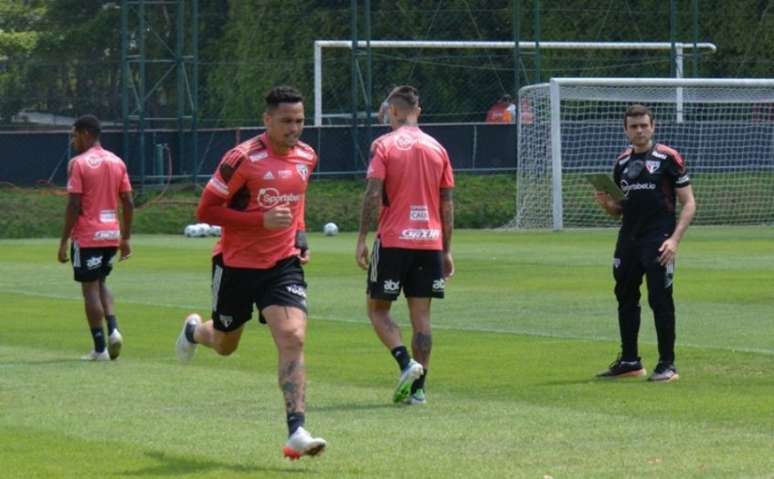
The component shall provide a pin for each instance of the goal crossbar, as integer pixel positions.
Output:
(526, 45)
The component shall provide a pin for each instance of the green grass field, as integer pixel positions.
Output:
(528, 320)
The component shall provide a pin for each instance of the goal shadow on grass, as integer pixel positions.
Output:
(171, 465)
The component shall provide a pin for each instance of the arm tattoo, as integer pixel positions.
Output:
(371, 201)
(447, 216)
(291, 381)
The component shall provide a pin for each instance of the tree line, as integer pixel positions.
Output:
(64, 56)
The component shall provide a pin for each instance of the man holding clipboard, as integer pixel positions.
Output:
(647, 180)
(604, 184)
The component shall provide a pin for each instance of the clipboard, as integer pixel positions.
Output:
(602, 182)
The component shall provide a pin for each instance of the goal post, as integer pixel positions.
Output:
(724, 128)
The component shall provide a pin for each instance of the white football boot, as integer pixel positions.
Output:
(95, 356)
(301, 443)
(412, 372)
(185, 348)
(115, 341)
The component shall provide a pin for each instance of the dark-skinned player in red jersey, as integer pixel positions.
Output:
(96, 181)
(653, 177)
(257, 196)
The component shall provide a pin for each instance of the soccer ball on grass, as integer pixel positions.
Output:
(196, 231)
(330, 229)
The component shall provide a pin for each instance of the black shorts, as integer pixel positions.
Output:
(418, 272)
(91, 264)
(236, 290)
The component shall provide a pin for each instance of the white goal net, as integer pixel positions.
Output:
(723, 128)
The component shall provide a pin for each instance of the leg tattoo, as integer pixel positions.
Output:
(291, 380)
(422, 344)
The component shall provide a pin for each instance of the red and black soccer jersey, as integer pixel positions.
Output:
(649, 181)
(252, 177)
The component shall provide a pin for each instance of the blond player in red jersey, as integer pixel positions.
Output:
(410, 178)
(96, 180)
(257, 196)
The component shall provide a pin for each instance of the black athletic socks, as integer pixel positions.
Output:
(189, 332)
(402, 357)
(112, 323)
(98, 335)
(295, 420)
(419, 383)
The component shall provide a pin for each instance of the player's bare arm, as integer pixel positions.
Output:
(72, 211)
(668, 248)
(370, 210)
(447, 225)
(612, 207)
(303, 247)
(127, 211)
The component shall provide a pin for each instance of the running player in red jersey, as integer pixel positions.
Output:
(257, 196)
(410, 178)
(96, 180)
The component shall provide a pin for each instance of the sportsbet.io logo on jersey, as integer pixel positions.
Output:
(420, 234)
(271, 197)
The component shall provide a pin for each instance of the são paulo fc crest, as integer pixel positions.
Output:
(93, 161)
(303, 171)
(652, 166)
(405, 142)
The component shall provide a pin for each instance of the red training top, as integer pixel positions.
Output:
(253, 178)
(414, 167)
(98, 176)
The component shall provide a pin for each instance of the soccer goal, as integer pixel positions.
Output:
(724, 128)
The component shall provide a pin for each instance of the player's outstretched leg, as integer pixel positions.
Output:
(288, 329)
(301, 443)
(186, 346)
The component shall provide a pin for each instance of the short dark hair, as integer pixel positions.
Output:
(405, 96)
(637, 110)
(282, 94)
(506, 98)
(89, 124)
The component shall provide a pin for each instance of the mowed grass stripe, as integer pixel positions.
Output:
(230, 417)
(602, 334)
(496, 366)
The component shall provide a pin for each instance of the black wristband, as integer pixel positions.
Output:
(301, 242)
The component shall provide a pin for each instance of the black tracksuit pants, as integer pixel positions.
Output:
(633, 259)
